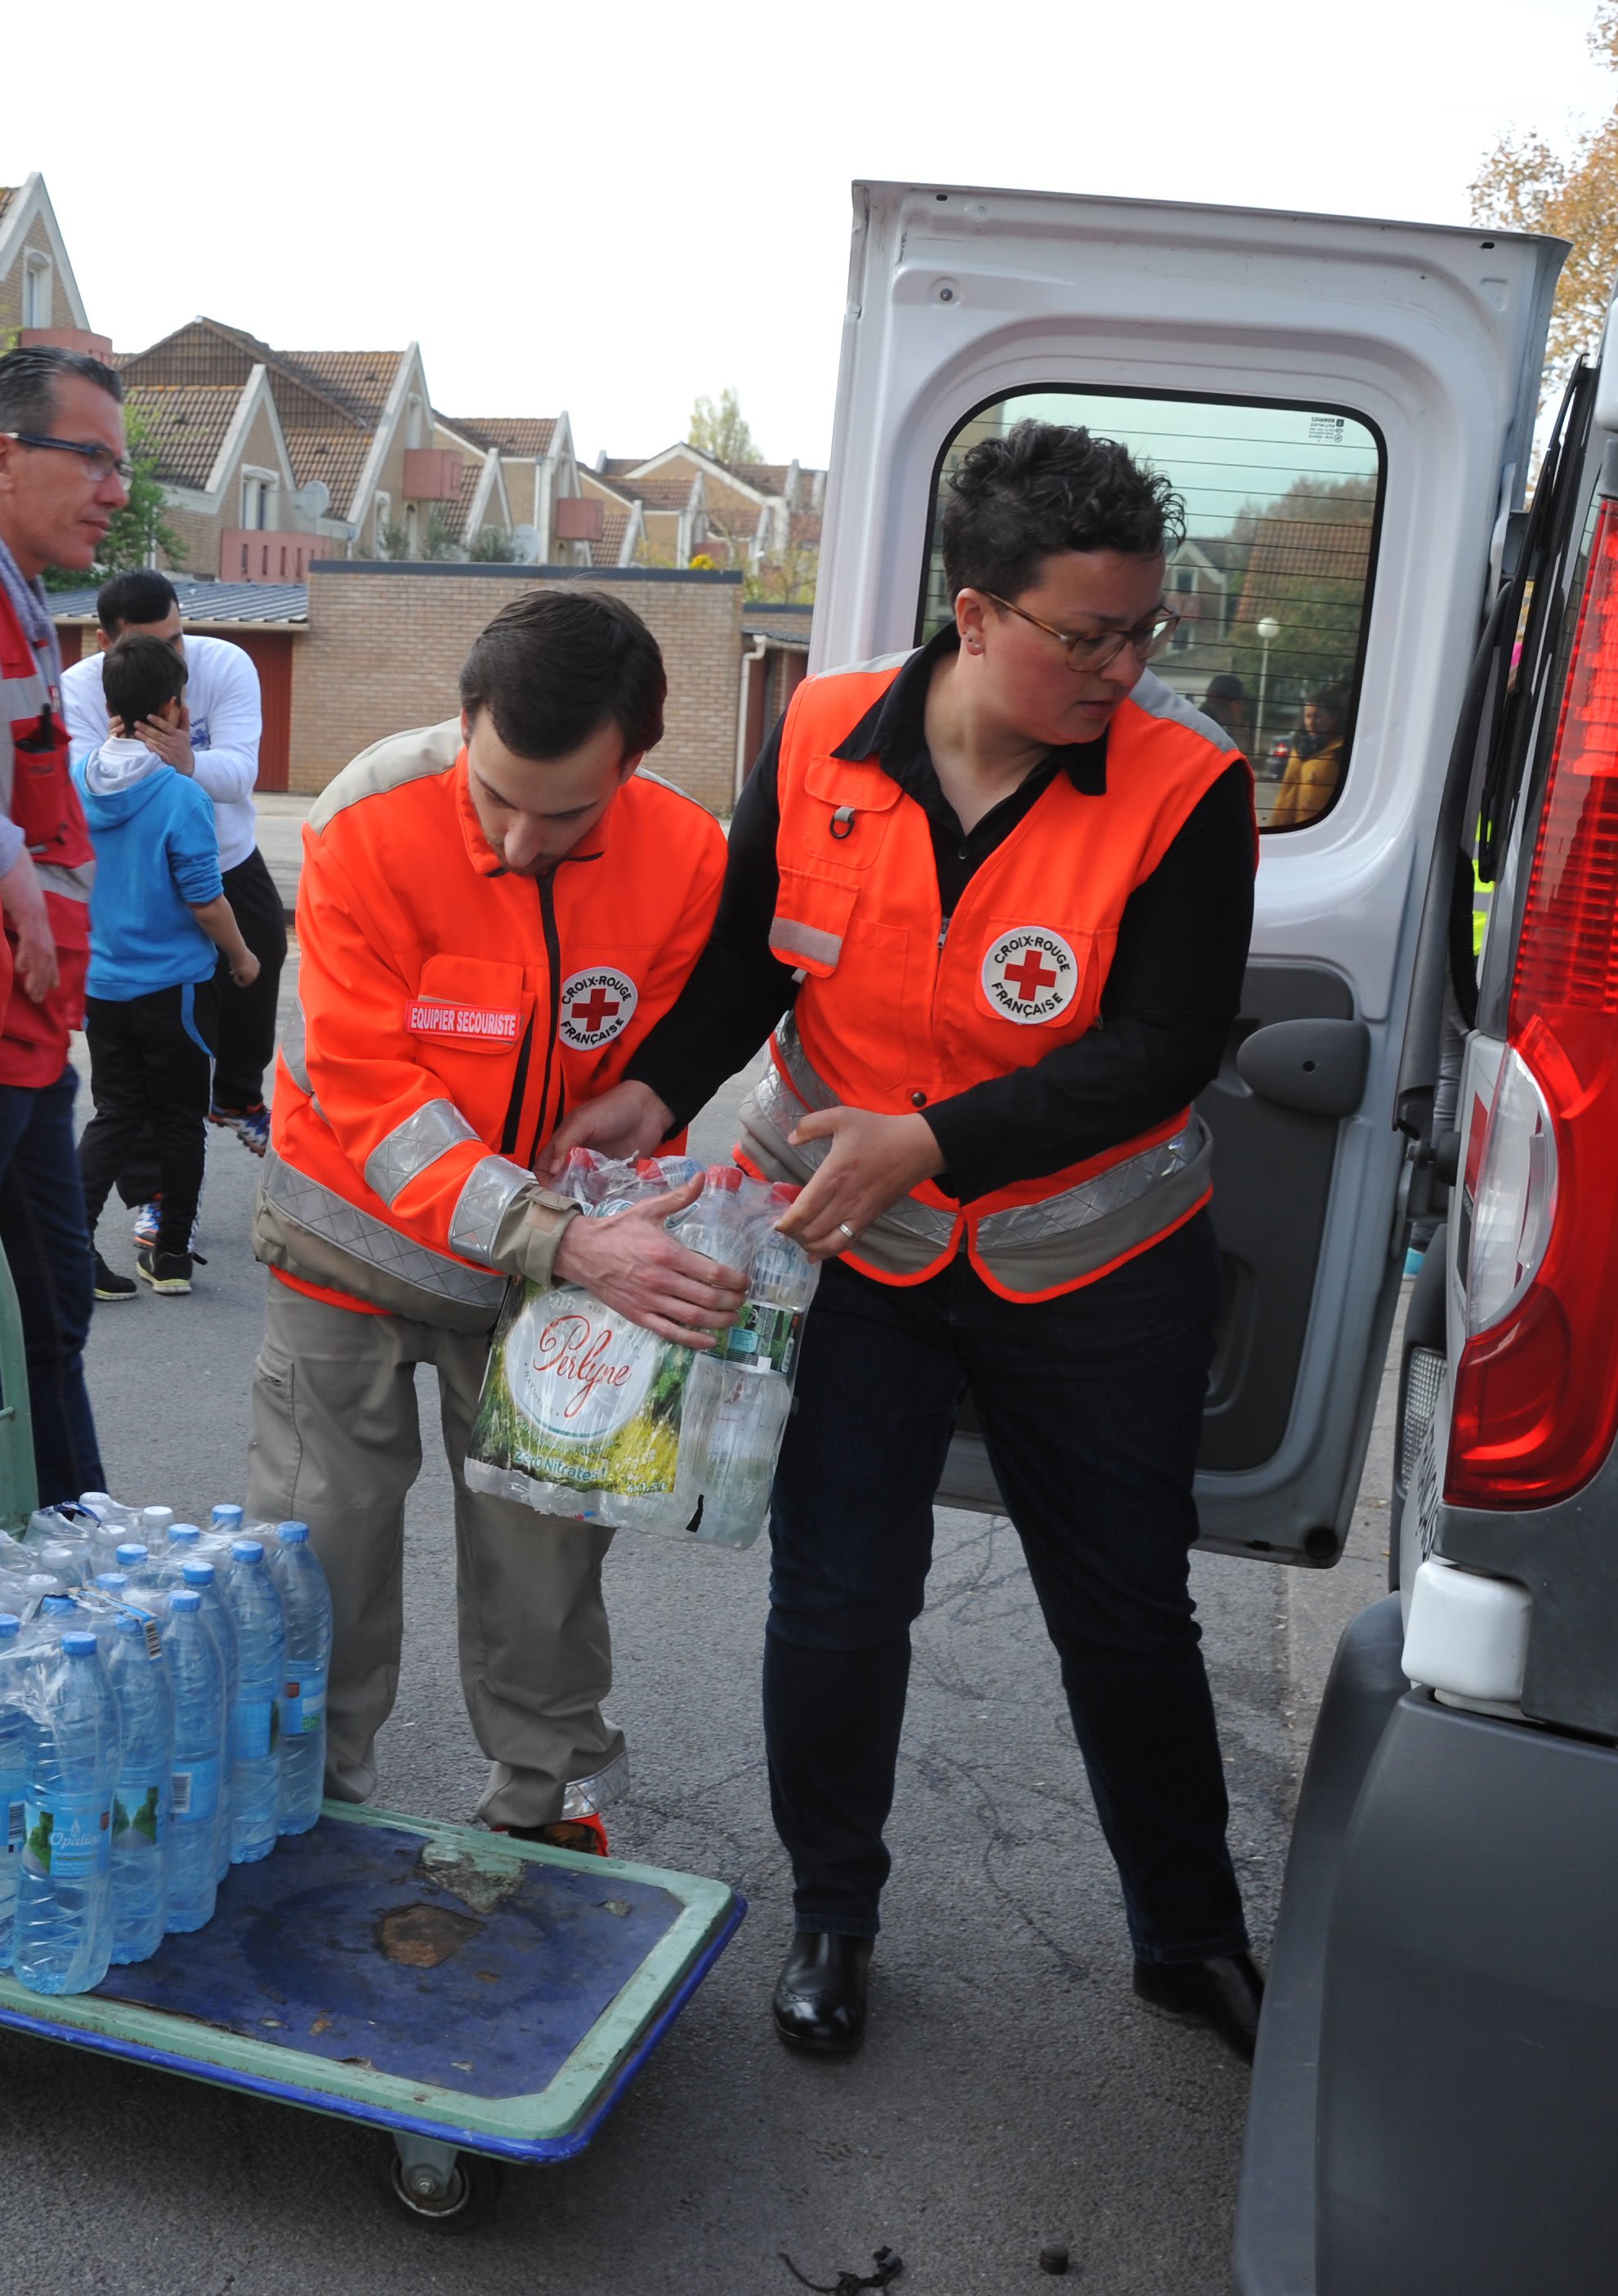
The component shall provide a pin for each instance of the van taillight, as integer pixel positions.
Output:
(1536, 1392)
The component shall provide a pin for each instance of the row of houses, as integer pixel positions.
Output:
(270, 459)
(352, 537)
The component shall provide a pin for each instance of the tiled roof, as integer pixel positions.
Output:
(516, 435)
(656, 494)
(337, 456)
(206, 602)
(186, 423)
(619, 466)
(1286, 550)
(614, 525)
(769, 477)
(359, 381)
(8, 192)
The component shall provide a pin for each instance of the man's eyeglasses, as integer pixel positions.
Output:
(104, 465)
(1094, 651)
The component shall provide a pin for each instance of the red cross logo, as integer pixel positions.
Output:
(597, 1009)
(1029, 979)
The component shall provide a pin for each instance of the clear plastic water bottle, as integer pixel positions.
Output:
(197, 1679)
(202, 1579)
(260, 1617)
(781, 1280)
(744, 1433)
(227, 1518)
(62, 1942)
(14, 1778)
(155, 1526)
(308, 1603)
(140, 1799)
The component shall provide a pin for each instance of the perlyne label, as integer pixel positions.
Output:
(303, 1702)
(253, 1734)
(466, 1024)
(69, 1836)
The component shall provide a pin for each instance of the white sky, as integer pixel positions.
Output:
(611, 210)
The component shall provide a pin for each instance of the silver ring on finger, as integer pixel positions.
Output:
(844, 1229)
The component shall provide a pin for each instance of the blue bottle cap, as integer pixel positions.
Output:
(79, 1645)
(292, 1534)
(184, 1534)
(114, 1581)
(10, 1625)
(227, 1516)
(198, 1574)
(186, 1598)
(128, 1624)
(57, 1604)
(131, 1555)
(248, 1550)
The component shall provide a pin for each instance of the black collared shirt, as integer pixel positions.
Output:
(1166, 1009)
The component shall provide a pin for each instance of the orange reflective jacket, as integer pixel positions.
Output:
(899, 1007)
(453, 1012)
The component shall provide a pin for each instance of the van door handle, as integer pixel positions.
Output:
(1317, 1067)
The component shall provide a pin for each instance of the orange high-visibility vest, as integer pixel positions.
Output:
(898, 1007)
(453, 1013)
(40, 798)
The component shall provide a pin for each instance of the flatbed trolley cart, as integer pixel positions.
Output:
(480, 1999)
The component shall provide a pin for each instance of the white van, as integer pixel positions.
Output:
(1348, 408)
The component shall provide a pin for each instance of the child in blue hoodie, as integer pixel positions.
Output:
(157, 912)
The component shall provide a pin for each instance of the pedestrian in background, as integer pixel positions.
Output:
(215, 741)
(158, 916)
(62, 477)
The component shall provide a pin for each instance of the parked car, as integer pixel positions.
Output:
(1349, 407)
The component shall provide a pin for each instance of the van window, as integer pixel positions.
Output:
(1272, 581)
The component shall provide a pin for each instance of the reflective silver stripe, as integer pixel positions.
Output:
(426, 1134)
(790, 938)
(780, 1108)
(329, 1216)
(585, 1797)
(70, 884)
(1159, 700)
(491, 1186)
(1092, 1200)
(1121, 1184)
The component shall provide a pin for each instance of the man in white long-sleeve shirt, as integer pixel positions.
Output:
(218, 744)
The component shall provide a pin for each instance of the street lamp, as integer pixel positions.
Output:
(1270, 630)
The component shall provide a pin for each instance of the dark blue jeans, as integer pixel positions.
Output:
(1091, 1407)
(41, 1228)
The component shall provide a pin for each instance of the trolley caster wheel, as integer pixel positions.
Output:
(439, 2189)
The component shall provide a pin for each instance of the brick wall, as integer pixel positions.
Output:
(385, 646)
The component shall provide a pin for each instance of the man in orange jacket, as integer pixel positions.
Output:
(492, 915)
(995, 897)
(62, 477)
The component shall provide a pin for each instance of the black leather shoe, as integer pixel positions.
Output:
(1224, 1995)
(820, 1998)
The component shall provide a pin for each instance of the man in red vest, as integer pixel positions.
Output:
(1001, 890)
(62, 477)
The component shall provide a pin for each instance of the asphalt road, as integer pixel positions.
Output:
(1010, 2092)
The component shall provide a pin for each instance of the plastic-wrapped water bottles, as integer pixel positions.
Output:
(201, 1578)
(197, 1678)
(13, 1780)
(63, 1940)
(140, 1805)
(308, 1604)
(255, 1608)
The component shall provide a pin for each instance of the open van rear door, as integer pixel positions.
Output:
(1346, 407)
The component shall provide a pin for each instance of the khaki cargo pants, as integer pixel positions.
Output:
(336, 1442)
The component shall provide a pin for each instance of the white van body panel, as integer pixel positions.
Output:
(1432, 336)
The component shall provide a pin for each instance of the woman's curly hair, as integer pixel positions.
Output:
(1042, 489)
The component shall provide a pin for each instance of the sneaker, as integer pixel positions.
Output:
(110, 1286)
(149, 1219)
(587, 1836)
(249, 1125)
(165, 1271)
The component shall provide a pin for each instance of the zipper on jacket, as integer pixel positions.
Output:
(553, 952)
(514, 1107)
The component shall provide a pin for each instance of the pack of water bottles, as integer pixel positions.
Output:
(585, 1413)
(162, 1717)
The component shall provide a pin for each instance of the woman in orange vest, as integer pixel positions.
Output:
(995, 898)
